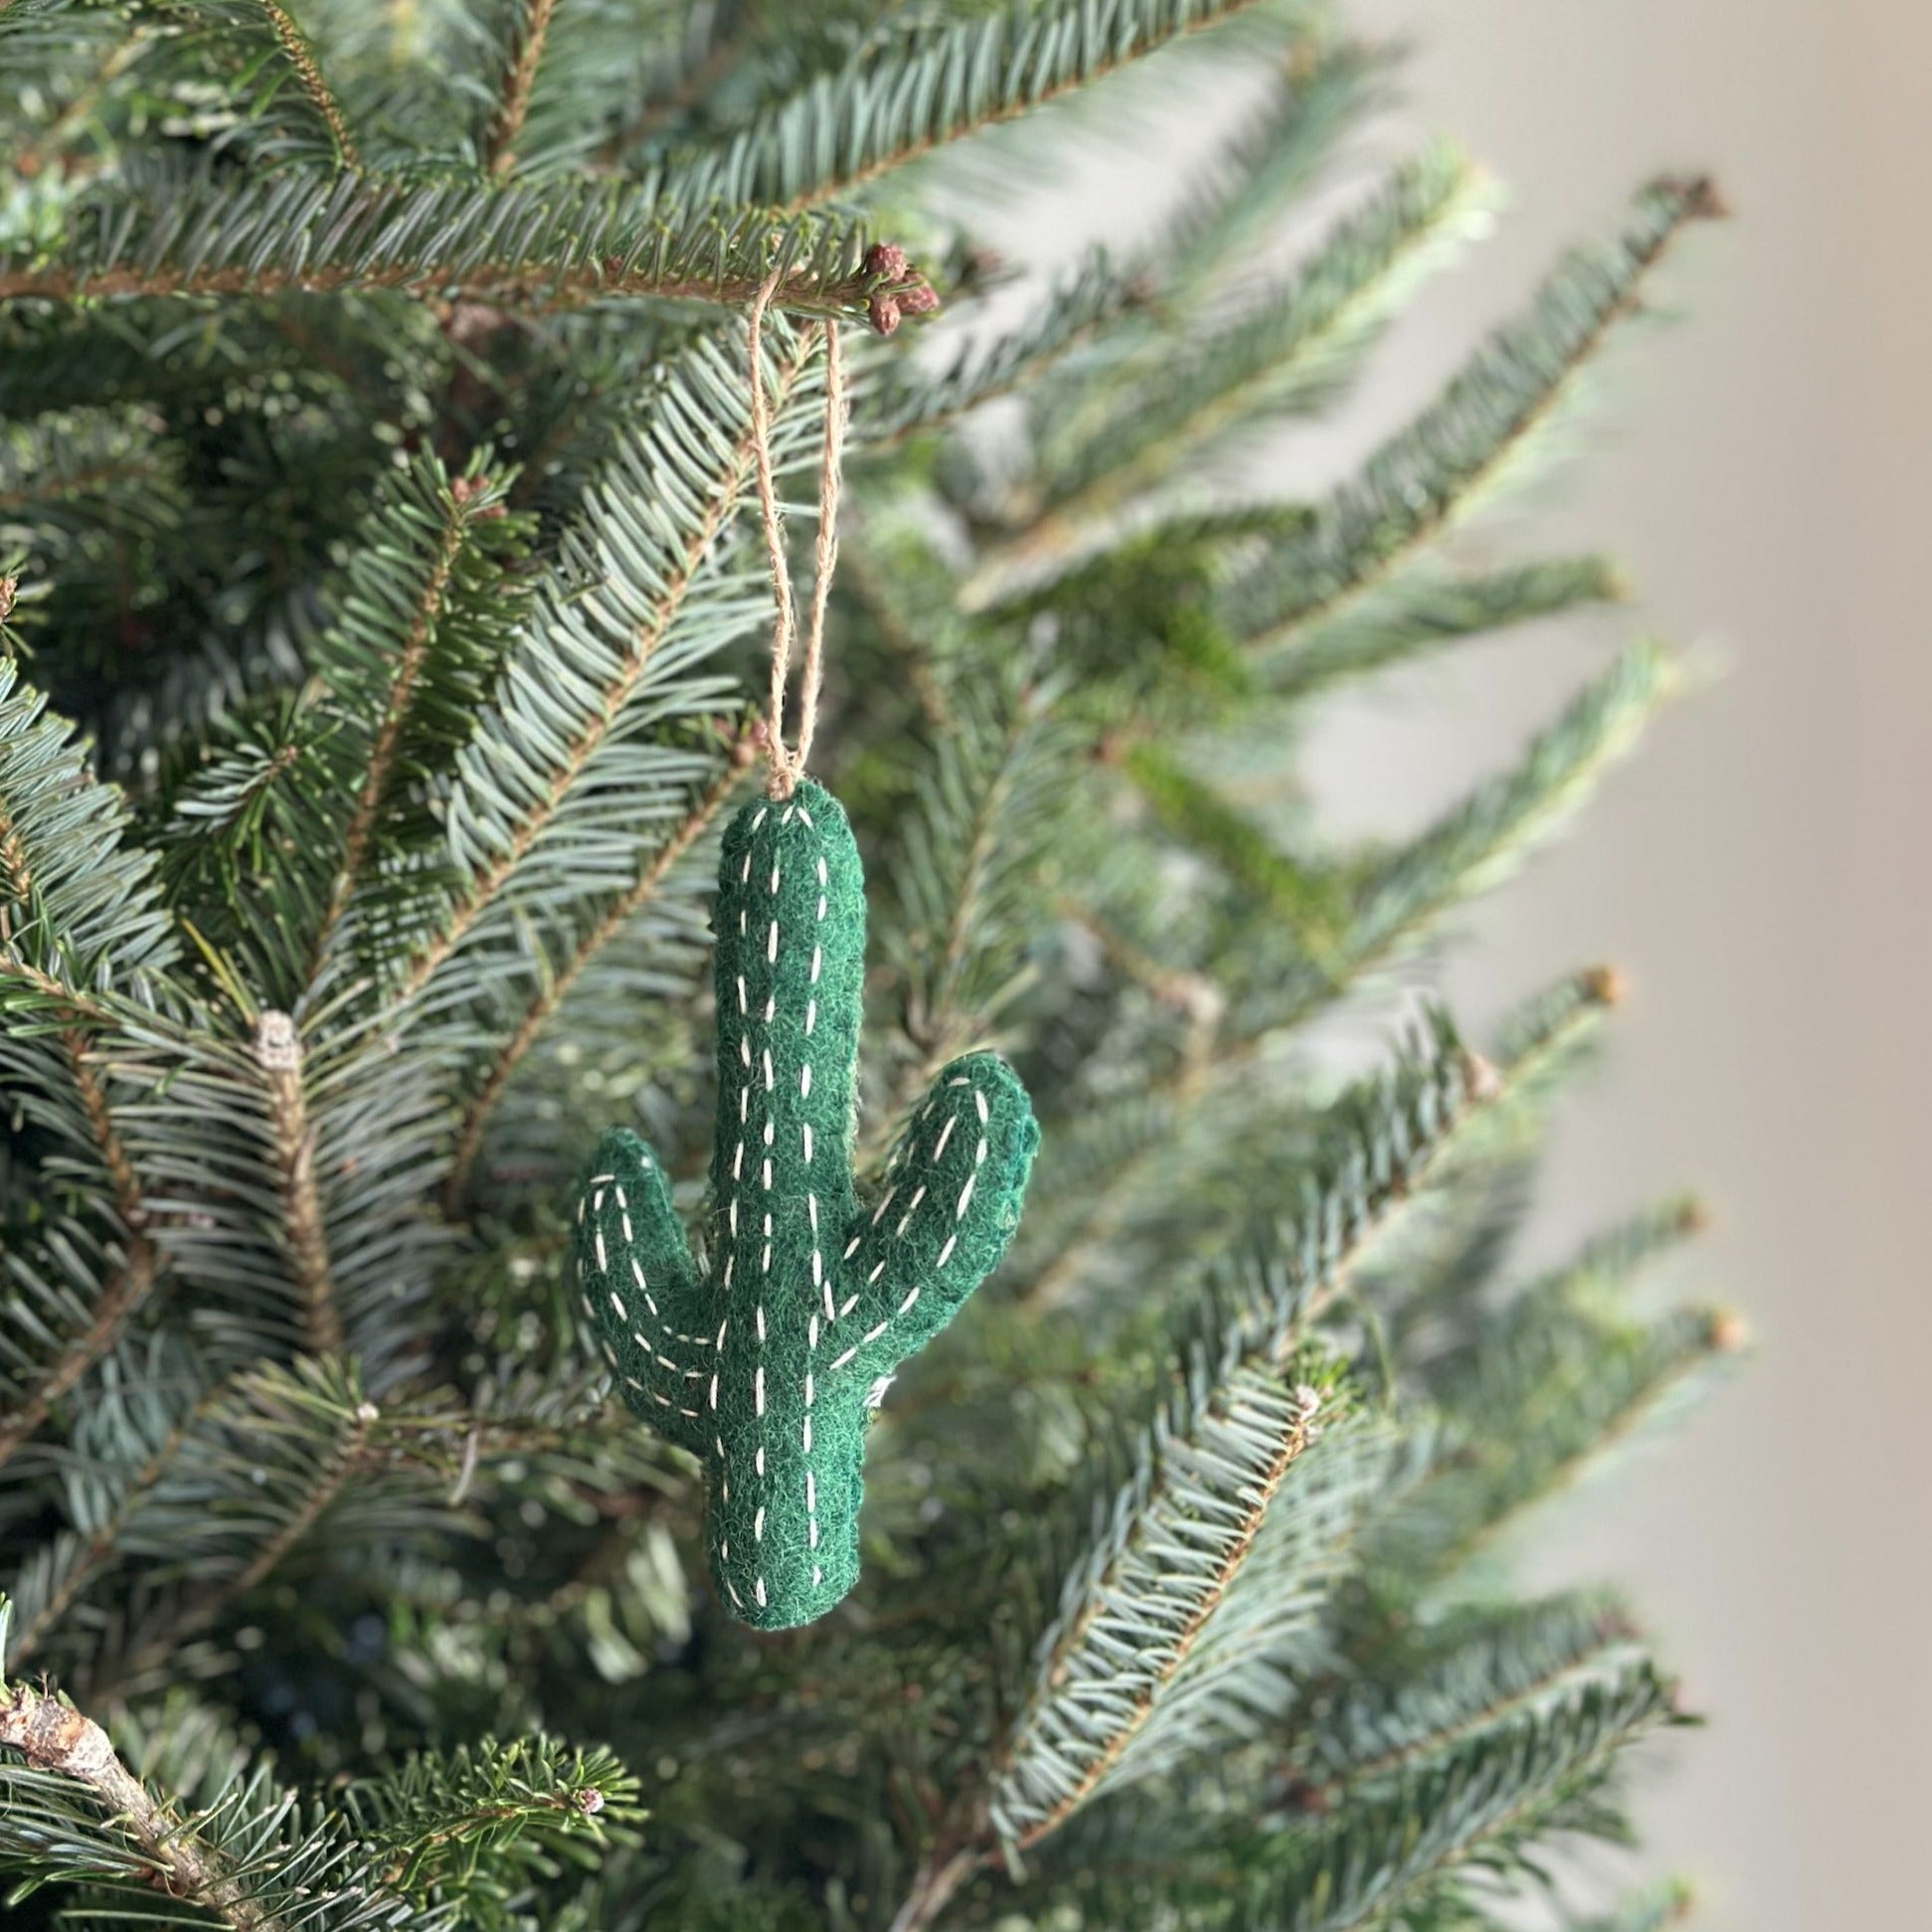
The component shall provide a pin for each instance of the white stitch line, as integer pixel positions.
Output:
(945, 1253)
(965, 1194)
(945, 1134)
(979, 1101)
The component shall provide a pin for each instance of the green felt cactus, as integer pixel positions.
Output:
(768, 1363)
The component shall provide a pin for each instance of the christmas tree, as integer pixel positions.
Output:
(400, 412)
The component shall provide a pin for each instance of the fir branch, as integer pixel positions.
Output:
(539, 248)
(1478, 842)
(1434, 472)
(1423, 611)
(114, 1307)
(52, 1736)
(506, 129)
(556, 986)
(1232, 206)
(278, 1053)
(1486, 1673)
(406, 669)
(308, 75)
(1288, 349)
(101, 1546)
(125, 1292)
(1119, 1602)
(516, 1800)
(506, 800)
(317, 1486)
(904, 96)
(907, 399)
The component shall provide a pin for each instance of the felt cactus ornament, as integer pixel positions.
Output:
(768, 1361)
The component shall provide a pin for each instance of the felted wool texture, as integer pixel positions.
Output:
(768, 1363)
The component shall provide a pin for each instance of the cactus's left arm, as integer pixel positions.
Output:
(642, 1289)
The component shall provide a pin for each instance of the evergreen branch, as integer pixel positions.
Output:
(1108, 1661)
(101, 1546)
(1486, 1673)
(436, 593)
(1432, 473)
(909, 400)
(125, 1291)
(1102, 1668)
(308, 76)
(407, 671)
(315, 1485)
(278, 1053)
(1479, 1809)
(556, 986)
(52, 1737)
(533, 30)
(1423, 611)
(79, 467)
(1232, 206)
(1288, 349)
(112, 1308)
(902, 96)
(1310, 903)
(427, 1821)
(529, 247)
(1483, 839)
(978, 831)
(647, 557)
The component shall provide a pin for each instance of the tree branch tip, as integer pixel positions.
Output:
(1603, 986)
(1703, 200)
(1727, 1332)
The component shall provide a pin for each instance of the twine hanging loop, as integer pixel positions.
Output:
(789, 762)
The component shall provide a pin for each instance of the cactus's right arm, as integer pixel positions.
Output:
(644, 1296)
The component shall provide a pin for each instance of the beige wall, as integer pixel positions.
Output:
(1759, 872)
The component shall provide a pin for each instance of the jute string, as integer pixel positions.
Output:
(789, 762)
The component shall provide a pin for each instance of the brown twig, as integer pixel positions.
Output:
(128, 1288)
(536, 288)
(309, 73)
(52, 1737)
(382, 756)
(519, 80)
(278, 1053)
